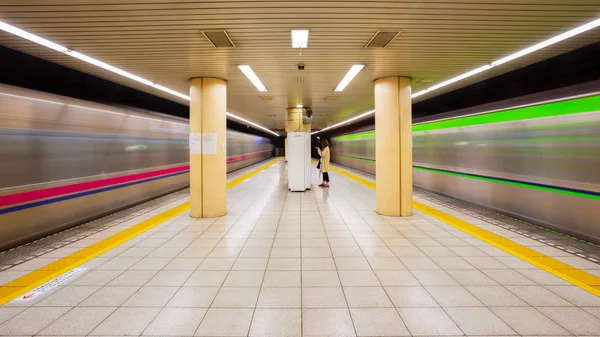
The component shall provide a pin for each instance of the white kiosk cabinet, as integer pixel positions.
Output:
(299, 173)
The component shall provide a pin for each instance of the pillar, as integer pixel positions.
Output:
(393, 148)
(208, 152)
(294, 123)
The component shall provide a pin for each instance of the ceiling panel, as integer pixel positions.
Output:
(161, 41)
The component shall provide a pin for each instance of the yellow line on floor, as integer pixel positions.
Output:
(32, 280)
(555, 267)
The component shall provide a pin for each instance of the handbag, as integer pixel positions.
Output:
(319, 164)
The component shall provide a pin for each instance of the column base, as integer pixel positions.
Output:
(208, 216)
(395, 213)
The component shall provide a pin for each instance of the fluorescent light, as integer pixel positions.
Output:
(229, 114)
(529, 50)
(300, 38)
(108, 67)
(460, 77)
(549, 42)
(526, 51)
(170, 91)
(252, 77)
(46, 43)
(34, 38)
(299, 106)
(346, 121)
(349, 76)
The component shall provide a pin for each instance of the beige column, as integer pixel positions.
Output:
(208, 157)
(393, 149)
(294, 119)
(294, 123)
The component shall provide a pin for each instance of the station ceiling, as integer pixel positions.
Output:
(162, 41)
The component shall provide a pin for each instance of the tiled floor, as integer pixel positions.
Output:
(319, 263)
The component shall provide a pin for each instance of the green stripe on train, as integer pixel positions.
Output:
(498, 181)
(358, 158)
(562, 108)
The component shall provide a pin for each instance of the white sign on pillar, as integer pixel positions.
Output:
(195, 143)
(209, 143)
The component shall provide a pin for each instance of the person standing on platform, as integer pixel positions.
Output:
(325, 156)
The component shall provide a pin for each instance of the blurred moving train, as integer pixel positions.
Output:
(538, 161)
(65, 161)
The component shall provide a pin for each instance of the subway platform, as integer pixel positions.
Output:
(318, 263)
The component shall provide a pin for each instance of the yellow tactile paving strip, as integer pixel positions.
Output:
(557, 268)
(25, 283)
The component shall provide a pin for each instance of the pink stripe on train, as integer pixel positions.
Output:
(18, 198)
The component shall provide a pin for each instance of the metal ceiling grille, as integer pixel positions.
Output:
(382, 39)
(218, 38)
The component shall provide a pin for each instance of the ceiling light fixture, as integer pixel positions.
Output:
(55, 46)
(354, 70)
(584, 28)
(251, 123)
(46, 43)
(299, 106)
(300, 38)
(252, 77)
(31, 37)
(529, 50)
(346, 121)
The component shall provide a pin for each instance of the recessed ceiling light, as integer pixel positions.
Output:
(300, 38)
(354, 70)
(299, 106)
(55, 46)
(252, 77)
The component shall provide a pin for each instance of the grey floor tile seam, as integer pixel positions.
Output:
(133, 294)
(228, 272)
(536, 283)
(105, 285)
(411, 273)
(162, 269)
(428, 292)
(266, 268)
(339, 278)
(420, 283)
(503, 286)
(301, 277)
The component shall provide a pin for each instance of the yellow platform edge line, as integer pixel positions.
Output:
(577, 277)
(36, 278)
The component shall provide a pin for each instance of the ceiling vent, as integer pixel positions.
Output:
(266, 98)
(382, 39)
(331, 98)
(218, 38)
